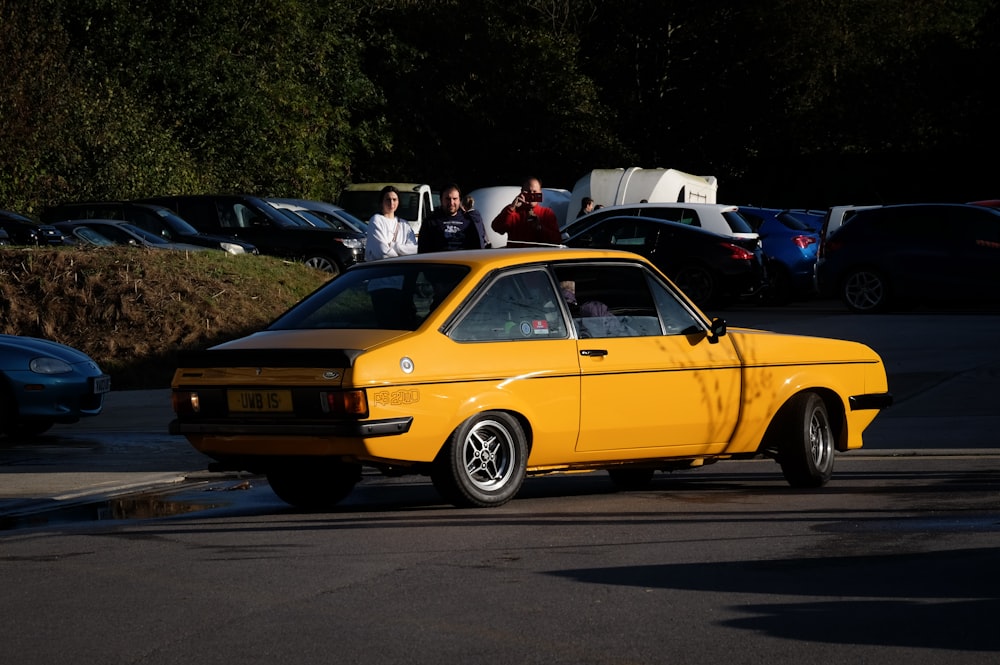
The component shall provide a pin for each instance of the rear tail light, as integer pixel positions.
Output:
(345, 403)
(803, 241)
(185, 402)
(739, 253)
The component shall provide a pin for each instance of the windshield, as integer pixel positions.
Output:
(380, 295)
(177, 223)
(151, 238)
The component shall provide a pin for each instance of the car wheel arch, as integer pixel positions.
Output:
(836, 412)
(462, 417)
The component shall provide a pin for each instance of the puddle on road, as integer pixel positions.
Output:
(134, 507)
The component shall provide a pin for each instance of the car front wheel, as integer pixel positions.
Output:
(865, 290)
(483, 463)
(313, 484)
(805, 441)
(323, 263)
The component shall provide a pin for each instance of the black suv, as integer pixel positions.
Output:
(158, 220)
(20, 230)
(909, 253)
(275, 232)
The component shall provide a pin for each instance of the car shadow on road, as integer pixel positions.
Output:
(941, 600)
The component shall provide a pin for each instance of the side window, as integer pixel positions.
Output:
(669, 214)
(622, 301)
(632, 235)
(247, 216)
(609, 300)
(677, 319)
(515, 306)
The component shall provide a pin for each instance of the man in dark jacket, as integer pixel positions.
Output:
(449, 227)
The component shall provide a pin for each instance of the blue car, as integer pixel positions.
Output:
(790, 245)
(43, 383)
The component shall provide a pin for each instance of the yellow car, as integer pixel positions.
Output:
(478, 368)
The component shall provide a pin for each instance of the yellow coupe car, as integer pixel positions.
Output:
(478, 368)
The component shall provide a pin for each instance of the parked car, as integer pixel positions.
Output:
(903, 254)
(790, 247)
(155, 219)
(22, 230)
(707, 266)
(103, 232)
(274, 232)
(811, 218)
(480, 367)
(334, 215)
(725, 220)
(43, 383)
(837, 216)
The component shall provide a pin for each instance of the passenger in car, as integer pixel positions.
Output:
(593, 318)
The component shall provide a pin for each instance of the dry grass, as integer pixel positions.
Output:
(131, 309)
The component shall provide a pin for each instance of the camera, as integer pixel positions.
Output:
(532, 197)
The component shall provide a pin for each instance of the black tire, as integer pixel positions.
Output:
(312, 484)
(323, 263)
(697, 283)
(805, 442)
(483, 462)
(631, 480)
(865, 290)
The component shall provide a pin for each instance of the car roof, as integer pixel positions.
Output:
(683, 228)
(722, 207)
(506, 257)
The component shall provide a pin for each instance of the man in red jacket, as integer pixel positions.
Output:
(525, 221)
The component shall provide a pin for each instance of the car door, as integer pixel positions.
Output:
(650, 376)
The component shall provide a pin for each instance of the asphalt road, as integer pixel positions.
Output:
(893, 562)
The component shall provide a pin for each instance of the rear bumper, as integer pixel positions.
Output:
(366, 429)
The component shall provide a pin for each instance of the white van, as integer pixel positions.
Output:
(489, 201)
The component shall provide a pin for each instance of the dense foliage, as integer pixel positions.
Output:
(787, 102)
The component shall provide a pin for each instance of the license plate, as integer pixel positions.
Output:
(101, 384)
(260, 401)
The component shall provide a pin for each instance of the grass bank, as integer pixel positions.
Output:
(132, 310)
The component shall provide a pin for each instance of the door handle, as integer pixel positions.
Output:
(593, 352)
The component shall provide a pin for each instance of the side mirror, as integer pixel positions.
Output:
(716, 330)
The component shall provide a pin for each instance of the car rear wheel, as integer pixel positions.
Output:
(323, 263)
(697, 283)
(865, 290)
(483, 463)
(312, 484)
(805, 441)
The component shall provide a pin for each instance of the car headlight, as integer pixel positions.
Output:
(49, 366)
(352, 243)
(232, 248)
